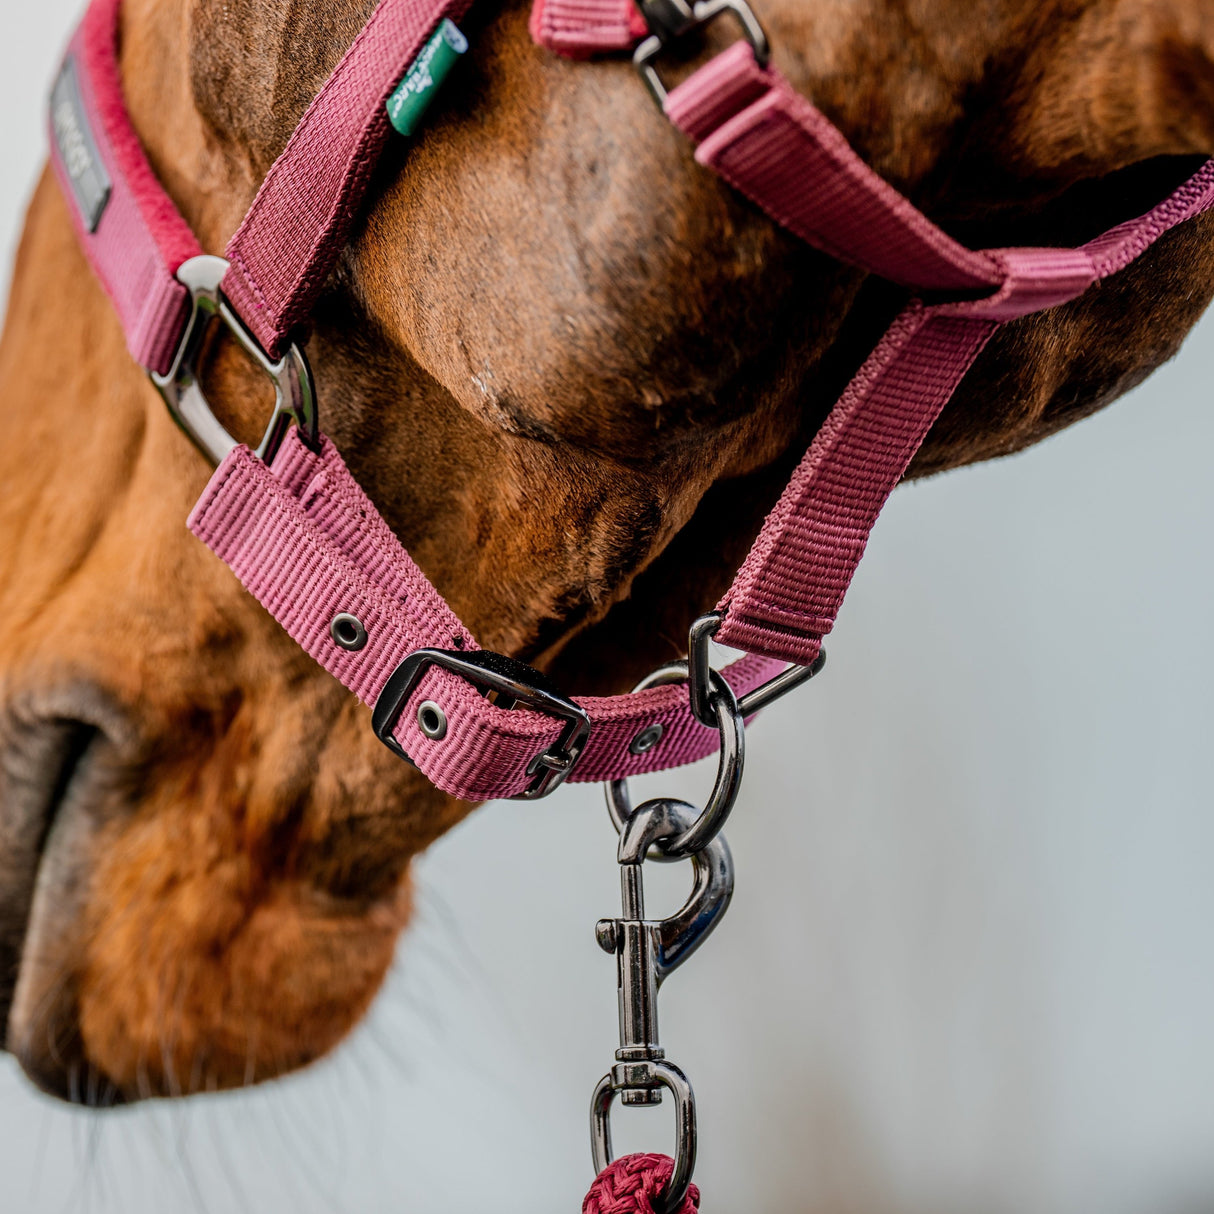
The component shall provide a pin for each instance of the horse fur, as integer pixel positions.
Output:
(572, 369)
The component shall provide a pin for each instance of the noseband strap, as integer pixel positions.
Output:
(308, 543)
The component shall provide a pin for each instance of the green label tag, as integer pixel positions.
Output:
(408, 105)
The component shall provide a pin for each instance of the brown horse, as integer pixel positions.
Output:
(573, 371)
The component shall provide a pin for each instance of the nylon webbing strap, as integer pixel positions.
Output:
(308, 543)
(768, 141)
(789, 591)
(287, 244)
(580, 28)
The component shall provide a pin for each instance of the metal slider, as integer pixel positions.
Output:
(294, 392)
(671, 20)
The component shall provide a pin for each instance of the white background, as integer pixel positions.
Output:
(970, 964)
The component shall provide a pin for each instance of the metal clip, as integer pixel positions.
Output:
(294, 393)
(647, 952)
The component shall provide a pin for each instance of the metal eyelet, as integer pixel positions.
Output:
(647, 739)
(431, 720)
(347, 631)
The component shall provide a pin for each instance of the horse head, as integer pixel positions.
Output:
(572, 370)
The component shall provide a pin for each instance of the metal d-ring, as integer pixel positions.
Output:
(700, 687)
(649, 1074)
(729, 723)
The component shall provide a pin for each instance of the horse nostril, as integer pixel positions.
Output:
(348, 631)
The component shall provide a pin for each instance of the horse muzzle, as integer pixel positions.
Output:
(172, 919)
(64, 759)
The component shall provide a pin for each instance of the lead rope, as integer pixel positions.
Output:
(632, 1185)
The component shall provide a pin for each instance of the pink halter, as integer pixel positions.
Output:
(306, 541)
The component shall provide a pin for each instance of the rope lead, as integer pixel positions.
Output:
(630, 1185)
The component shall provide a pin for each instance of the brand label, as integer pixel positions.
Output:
(77, 148)
(408, 105)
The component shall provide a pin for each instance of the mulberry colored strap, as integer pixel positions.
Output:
(308, 543)
(580, 28)
(778, 150)
(299, 222)
(769, 142)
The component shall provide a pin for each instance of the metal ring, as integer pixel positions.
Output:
(667, 1075)
(294, 390)
(729, 768)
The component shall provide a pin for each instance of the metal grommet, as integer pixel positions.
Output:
(647, 739)
(431, 720)
(347, 631)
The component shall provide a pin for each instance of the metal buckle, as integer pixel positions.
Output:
(514, 682)
(294, 394)
(672, 19)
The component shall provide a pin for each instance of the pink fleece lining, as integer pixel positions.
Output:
(141, 238)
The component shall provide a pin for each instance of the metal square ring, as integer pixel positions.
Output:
(294, 392)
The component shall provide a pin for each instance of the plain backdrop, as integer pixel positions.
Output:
(970, 964)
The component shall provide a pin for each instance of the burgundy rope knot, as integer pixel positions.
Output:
(630, 1184)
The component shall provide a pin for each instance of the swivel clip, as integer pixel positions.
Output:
(646, 952)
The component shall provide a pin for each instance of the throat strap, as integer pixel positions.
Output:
(769, 142)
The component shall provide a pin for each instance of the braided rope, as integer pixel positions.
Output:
(630, 1184)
